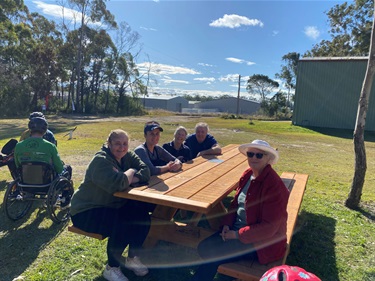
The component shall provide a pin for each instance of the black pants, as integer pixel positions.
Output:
(128, 225)
(214, 251)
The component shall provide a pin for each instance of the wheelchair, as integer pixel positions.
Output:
(38, 181)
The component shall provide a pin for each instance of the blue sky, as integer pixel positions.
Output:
(201, 47)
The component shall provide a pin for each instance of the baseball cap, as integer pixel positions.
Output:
(152, 125)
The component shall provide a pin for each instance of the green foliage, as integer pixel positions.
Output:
(39, 57)
(261, 84)
(351, 25)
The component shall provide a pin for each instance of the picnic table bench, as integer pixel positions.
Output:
(252, 270)
(200, 187)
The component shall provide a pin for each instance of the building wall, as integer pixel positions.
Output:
(229, 105)
(327, 93)
(169, 103)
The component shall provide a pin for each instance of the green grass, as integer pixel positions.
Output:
(332, 241)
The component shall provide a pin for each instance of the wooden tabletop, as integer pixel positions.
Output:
(200, 185)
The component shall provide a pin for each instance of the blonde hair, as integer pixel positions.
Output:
(114, 134)
(180, 128)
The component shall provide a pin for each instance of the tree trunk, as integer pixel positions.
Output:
(355, 194)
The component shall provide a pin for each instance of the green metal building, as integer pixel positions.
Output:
(327, 93)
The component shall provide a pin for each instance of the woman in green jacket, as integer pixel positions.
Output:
(95, 209)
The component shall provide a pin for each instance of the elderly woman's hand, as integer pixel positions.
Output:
(227, 234)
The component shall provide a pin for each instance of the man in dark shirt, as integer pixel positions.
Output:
(202, 143)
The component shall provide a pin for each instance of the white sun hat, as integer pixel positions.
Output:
(261, 145)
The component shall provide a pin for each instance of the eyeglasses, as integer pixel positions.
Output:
(257, 155)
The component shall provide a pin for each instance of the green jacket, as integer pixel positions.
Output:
(37, 149)
(104, 176)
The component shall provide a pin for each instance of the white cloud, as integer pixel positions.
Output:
(170, 81)
(205, 79)
(60, 12)
(148, 28)
(181, 92)
(275, 32)
(312, 32)
(164, 69)
(229, 78)
(205, 64)
(235, 60)
(234, 21)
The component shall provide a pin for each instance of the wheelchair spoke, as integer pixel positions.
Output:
(16, 202)
(58, 200)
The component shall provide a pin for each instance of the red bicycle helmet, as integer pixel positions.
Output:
(288, 273)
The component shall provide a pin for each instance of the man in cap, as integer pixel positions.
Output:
(47, 136)
(35, 148)
(156, 157)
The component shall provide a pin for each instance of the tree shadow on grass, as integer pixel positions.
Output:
(342, 133)
(3, 185)
(21, 241)
(313, 246)
(367, 210)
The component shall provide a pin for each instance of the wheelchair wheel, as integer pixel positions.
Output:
(58, 199)
(17, 203)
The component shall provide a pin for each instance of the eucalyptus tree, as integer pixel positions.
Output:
(44, 67)
(350, 30)
(128, 77)
(288, 72)
(14, 43)
(91, 12)
(99, 50)
(261, 84)
(355, 193)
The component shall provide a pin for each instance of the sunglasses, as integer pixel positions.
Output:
(257, 155)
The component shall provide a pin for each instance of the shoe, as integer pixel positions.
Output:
(135, 265)
(64, 203)
(114, 274)
(64, 206)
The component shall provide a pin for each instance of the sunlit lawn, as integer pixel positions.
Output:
(332, 241)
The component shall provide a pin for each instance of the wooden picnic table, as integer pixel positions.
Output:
(200, 187)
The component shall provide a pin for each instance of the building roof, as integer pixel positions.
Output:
(334, 59)
(163, 97)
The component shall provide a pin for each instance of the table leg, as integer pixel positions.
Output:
(164, 228)
(215, 214)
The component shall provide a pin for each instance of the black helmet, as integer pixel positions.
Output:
(38, 125)
(36, 114)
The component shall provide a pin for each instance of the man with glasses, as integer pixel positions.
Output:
(202, 143)
(154, 156)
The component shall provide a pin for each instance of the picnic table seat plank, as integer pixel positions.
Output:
(77, 230)
(250, 270)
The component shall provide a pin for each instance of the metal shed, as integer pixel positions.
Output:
(170, 103)
(328, 90)
(229, 105)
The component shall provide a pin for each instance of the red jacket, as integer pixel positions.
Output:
(266, 214)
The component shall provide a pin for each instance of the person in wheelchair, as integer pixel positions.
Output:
(48, 135)
(36, 148)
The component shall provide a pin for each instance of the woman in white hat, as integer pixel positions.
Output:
(255, 225)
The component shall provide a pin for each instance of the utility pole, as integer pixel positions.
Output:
(238, 95)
